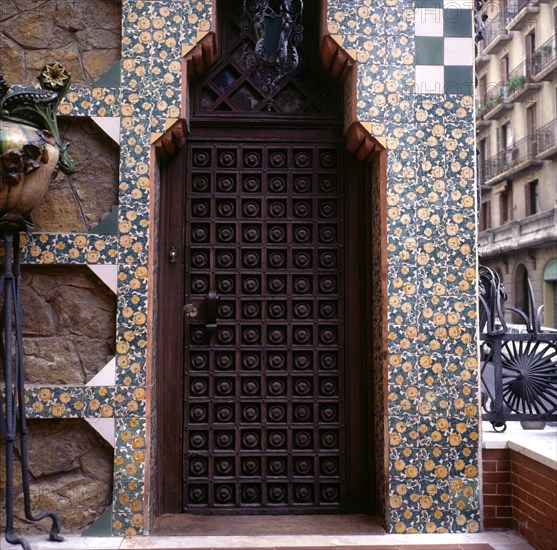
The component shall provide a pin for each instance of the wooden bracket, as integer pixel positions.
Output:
(174, 138)
(342, 65)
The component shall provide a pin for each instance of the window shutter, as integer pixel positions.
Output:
(528, 198)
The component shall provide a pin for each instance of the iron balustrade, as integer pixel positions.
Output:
(493, 28)
(544, 55)
(511, 157)
(514, 8)
(494, 96)
(546, 136)
(518, 362)
(519, 76)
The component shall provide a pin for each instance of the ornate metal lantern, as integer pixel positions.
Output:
(278, 31)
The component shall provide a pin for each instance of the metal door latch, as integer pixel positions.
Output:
(190, 310)
(172, 253)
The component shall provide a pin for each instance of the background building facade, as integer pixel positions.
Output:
(517, 140)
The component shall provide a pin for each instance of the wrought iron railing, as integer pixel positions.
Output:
(519, 76)
(518, 362)
(514, 8)
(522, 151)
(546, 136)
(544, 55)
(493, 28)
(495, 95)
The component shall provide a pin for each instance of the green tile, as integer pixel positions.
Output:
(458, 22)
(458, 80)
(429, 50)
(435, 4)
(102, 527)
(108, 225)
(110, 79)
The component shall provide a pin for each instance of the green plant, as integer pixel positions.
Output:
(491, 102)
(515, 82)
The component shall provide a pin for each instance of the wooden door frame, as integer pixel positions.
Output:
(170, 329)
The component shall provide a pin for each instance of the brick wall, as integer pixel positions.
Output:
(520, 493)
(497, 506)
(534, 501)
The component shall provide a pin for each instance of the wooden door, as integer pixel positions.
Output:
(266, 338)
(265, 393)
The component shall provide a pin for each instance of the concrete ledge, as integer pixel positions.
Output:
(539, 445)
(501, 540)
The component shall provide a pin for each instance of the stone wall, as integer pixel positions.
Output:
(82, 35)
(71, 475)
(77, 203)
(69, 324)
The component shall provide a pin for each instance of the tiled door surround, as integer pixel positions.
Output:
(412, 95)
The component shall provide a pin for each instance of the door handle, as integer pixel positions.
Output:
(204, 310)
(190, 311)
(211, 322)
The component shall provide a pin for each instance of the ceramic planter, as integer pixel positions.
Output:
(31, 151)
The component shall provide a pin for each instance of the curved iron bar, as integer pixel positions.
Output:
(518, 370)
(12, 401)
(492, 297)
(530, 377)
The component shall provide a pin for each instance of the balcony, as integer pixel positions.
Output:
(481, 122)
(546, 138)
(494, 104)
(511, 161)
(544, 61)
(495, 35)
(537, 230)
(520, 84)
(520, 13)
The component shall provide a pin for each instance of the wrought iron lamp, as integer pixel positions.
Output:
(277, 27)
(31, 154)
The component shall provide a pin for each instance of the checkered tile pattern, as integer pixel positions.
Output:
(444, 46)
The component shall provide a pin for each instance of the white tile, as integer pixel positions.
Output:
(110, 125)
(428, 22)
(430, 79)
(106, 376)
(459, 51)
(104, 427)
(108, 274)
(457, 4)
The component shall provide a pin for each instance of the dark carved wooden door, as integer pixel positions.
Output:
(276, 306)
(264, 390)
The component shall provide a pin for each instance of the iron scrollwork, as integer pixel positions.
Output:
(518, 362)
(277, 27)
(31, 154)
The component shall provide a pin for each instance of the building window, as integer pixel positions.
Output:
(504, 69)
(506, 205)
(532, 127)
(485, 216)
(482, 94)
(531, 198)
(521, 292)
(483, 157)
(530, 48)
(550, 293)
